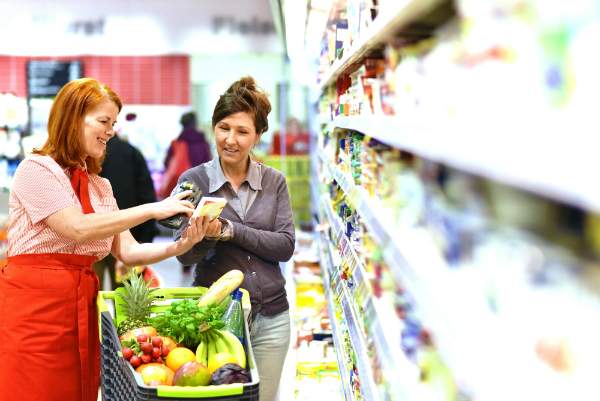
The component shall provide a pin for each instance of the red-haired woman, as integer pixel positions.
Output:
(63, 217)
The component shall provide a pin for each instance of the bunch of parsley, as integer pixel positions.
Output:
(184, 321)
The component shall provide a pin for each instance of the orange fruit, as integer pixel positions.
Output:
(178, 356)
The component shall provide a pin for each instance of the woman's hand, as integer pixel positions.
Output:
(173, 205)
(214, 230)
(194, 233)
(121, 269)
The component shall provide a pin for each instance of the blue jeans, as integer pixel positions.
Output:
(270, 338)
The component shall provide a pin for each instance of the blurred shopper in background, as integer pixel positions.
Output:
(297, 139)
(126, 169)
(257, 229)
(63, 217)
(190, 149)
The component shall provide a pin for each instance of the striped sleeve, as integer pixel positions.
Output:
(41, 190)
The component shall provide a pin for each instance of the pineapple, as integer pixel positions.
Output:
(137, 298)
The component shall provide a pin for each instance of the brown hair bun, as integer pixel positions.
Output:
(244, 96)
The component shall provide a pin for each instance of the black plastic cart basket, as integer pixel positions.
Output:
(119, 382)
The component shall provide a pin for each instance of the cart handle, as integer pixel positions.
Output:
(200, 391)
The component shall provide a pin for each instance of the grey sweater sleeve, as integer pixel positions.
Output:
(277, 245)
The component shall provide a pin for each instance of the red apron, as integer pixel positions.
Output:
(49, 341)
(49, 345)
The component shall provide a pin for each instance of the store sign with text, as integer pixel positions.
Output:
(142, 28)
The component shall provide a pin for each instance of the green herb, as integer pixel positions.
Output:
(133, 345)
(184, 321)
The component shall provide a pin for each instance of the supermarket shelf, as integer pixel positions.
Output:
(314, 197)
(386, 25)
(368, 388)
(383, 233)
(386, 129)
(388, 348)
(344, 372)
(486, 156)
(382, 334)
(433, 286)
(424, 273)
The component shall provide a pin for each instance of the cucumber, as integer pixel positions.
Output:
(221, 288)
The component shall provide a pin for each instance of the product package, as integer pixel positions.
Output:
(210, 206)
(175, 222)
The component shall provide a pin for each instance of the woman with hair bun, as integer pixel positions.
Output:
(64, 217)
(256, 226)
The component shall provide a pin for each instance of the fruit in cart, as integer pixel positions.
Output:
(228, 342)
(230, 373)
(137, 299)
(146, 348)
(147, 331)
(211, 351)
(155, 374)
(192, 373)
(221, 288)
(143, 349)
(202, 352)
(178, 357)
(127, 353)
(223, 358)
(135, 361)
(169, 343)
(157, 342)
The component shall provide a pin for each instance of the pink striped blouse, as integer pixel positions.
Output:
(41, 188)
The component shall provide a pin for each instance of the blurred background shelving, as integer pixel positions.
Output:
(455, 187)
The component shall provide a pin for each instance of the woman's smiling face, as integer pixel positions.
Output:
(235, 137)
(98, 125)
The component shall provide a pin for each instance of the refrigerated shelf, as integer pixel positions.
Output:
(398, 16)
(486, 156)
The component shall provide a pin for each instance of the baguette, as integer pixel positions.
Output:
(221, 288)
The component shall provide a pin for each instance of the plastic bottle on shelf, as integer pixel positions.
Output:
(234, 316)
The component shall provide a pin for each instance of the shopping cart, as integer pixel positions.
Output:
(119, 382)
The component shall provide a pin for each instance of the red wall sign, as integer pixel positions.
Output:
(137, 79)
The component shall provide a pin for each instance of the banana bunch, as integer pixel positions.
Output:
(219, 347)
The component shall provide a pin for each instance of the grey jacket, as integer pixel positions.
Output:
(265, 238)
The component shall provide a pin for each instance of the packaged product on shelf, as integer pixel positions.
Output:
(316, 358)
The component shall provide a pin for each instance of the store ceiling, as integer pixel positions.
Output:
(135, 27)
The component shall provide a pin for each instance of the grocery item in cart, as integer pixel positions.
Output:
(120, 381)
